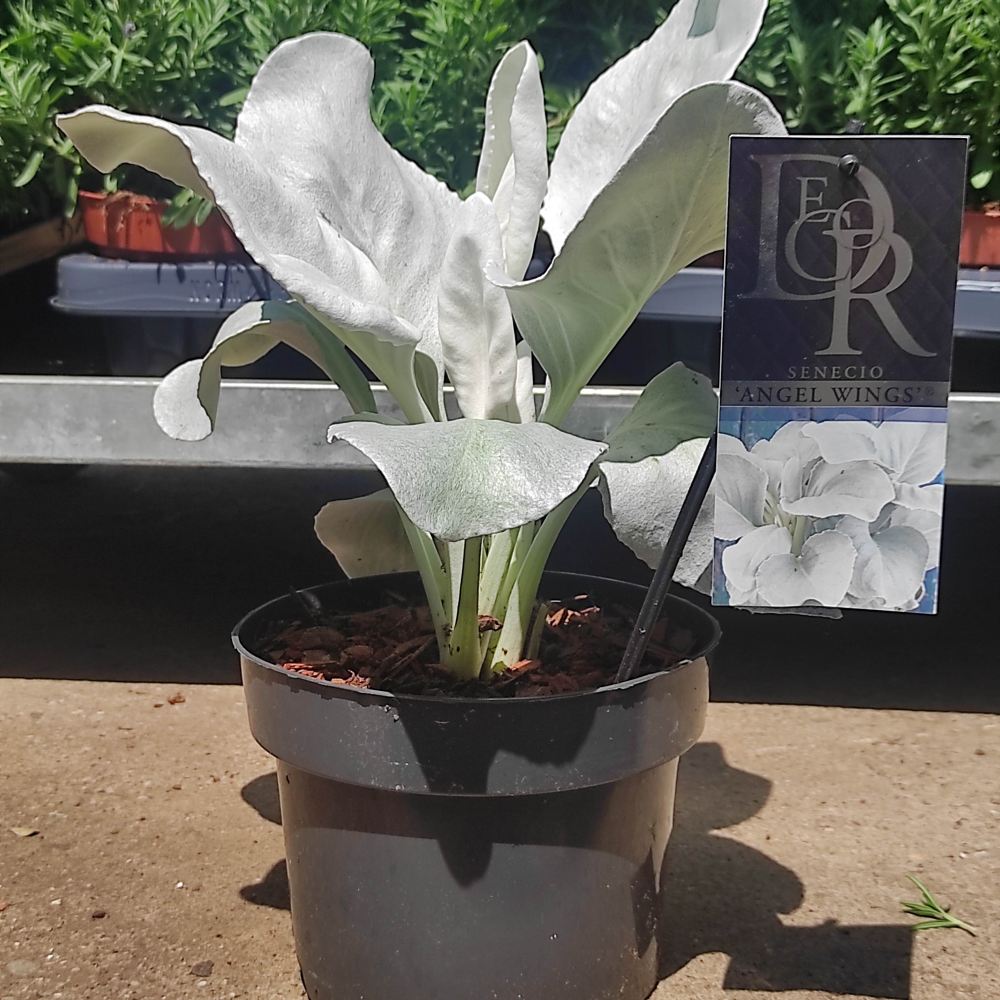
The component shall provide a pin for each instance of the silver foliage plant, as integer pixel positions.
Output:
(385, 264)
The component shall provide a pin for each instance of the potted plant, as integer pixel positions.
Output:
(57, 54)
(471, 805)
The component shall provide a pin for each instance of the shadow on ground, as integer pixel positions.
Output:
(720, 896)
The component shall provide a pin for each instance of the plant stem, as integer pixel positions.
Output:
(522, 546)
(464, 651)
(524, 592)
(452, 557)
(432, 576)
(799, 526)
(534, 641)
(501, 549)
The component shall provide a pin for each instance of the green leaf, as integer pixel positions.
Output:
(30, 168)
(203, 211)
(676, 406)
(928, 925)
(72, 192)
(233, 98)
(981, 178)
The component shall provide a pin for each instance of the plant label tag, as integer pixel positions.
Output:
(841, 267)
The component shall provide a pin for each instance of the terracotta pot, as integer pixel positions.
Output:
(980, 246)
(131, 226)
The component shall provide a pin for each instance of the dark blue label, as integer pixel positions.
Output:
(841, 262)
(841, 268)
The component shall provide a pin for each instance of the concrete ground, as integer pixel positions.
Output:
(838, 757)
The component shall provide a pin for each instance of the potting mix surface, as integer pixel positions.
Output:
(393, 648)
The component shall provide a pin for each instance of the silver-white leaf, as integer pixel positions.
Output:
(465, 477)
(477, 331)
(663, 208)
(366, 535)
(513, 168)
(311, 188)
(700, 42)
(642, 500)
(186, 401)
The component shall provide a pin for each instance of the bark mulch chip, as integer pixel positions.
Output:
(393, 648)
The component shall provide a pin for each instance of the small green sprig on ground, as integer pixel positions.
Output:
(933, 914)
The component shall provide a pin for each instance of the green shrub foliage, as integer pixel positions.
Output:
(898, 65)
(181, 59)
(921, 66)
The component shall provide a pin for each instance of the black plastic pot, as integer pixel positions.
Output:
(460, 849)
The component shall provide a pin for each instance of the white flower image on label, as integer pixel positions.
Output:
(844, 513)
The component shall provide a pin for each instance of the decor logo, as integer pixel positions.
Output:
(868, 260)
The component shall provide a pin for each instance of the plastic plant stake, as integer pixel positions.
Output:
(650, 611)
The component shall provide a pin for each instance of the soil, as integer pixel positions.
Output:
(393, 648)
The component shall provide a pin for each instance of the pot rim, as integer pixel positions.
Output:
(701, 651)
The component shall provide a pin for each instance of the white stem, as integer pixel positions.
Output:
(464, 652)
(432, 576)
(501, 548)
(524, 592)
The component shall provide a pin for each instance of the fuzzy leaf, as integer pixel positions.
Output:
(664, 207)
(821, 572)
(740, 562)
(642, 500)
(477, 332)
(311, 188)
(366, 535)
(858, 488)
(890, 564)
(787, 442)
(677, 405)
(929, 498)
(740, 490)
(910, 451)
(186, 401)
(513, 168)
(928, 523)
(465, 477)
(701, 41)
